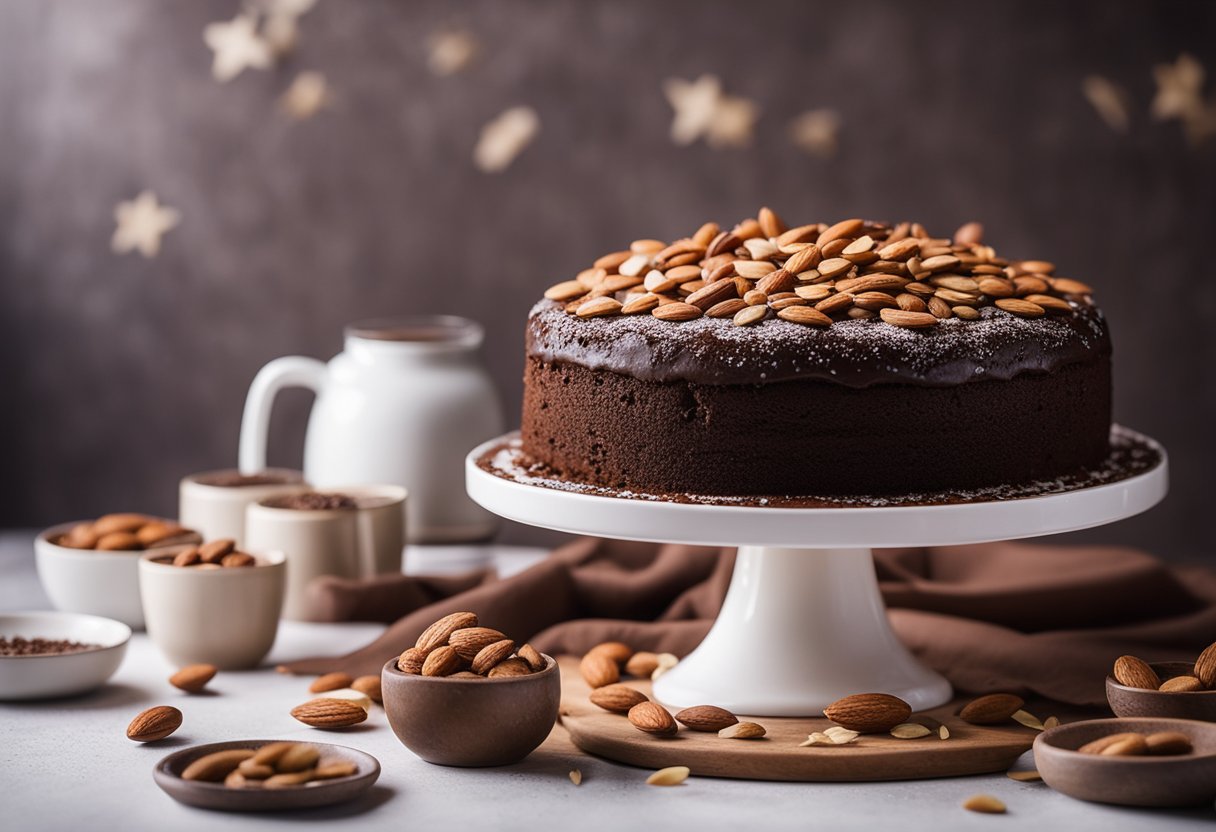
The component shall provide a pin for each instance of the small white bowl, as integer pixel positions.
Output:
(90, 581)
(61, 674)
(227, 617)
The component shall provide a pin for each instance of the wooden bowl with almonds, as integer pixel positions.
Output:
(1181, 703)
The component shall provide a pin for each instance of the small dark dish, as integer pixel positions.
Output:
(1125, 701)
(471, 722)
(168, 771)
(1182, 780)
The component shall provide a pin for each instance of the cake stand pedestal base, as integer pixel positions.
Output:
(812, 625)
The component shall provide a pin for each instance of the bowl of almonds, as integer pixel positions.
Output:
(468, 695)
(92, 566)
(213, 604)
(1182, 690)
(1131, 762)
(262, 775)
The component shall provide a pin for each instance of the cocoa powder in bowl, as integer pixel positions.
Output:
(313, 501)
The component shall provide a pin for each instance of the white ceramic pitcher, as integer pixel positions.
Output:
(403, 403)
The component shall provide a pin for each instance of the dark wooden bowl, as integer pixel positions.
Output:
(168, 775)
(1125, 701)
(1184, 780)
(471, 722)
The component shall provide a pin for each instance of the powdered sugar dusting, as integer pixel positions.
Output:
(1130, 455)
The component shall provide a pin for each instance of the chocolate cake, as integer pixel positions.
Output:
(850, 359)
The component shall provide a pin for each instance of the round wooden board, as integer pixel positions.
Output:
(971, 749)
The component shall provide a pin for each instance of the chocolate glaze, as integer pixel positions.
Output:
(854, 353)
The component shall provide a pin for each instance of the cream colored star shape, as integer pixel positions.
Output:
(141, 224)
(1108, 100)
(281, 28)
(237, 47)
(815, 132)
(306, 96)
(702, 110)
(504, 138)
(1179, 88)
(452, 51)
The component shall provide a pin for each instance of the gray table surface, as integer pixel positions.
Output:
(67, 765)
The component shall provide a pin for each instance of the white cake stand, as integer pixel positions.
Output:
(803, 622)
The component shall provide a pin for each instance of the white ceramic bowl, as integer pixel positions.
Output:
(65, 674)
(227, 617)
(90, 581)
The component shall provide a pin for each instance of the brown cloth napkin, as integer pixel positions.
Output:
(1032, 619)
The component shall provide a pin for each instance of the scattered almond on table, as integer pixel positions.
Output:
(670, 776)
(154, 724)
(193, 678)
(329, 714)
(869, 713)
(984, 804)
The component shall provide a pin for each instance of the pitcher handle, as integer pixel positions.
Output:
(290, 371)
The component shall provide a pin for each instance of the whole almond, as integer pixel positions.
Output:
(238, 780)
(187, 557)
(1181, 684)
(742, 731)
(709, 718)
(1135, 673)
(298, 757)
(869, 713)
(1205, 667)
(536, 662)
(907, 320)
(641, 664)
(154, 724)
(157, 532)
(618, 651)
(510, 667)
(1099, 745)
(329, 713)
(653, 718)
(254, 770)
(214, 767)
(804, 315)
(118, 542)
(438, 633)
(334, 770)
(330, 681)
(270, 753)
(617, 698)
(283, 781)
(370, 687)
(985, 804)
(411, 660)
(237, 560)
(193, 678)
(991, 709)
(442, 661)
(599, 669)
(1132, 745)
(126, 522)
(491, 655)
(214, 551)
(81, 536)
(677, 311)
(469, 641)
(1167, 743)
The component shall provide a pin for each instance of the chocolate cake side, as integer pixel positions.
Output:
(813, 437)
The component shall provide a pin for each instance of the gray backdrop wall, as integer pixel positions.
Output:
(120, 374)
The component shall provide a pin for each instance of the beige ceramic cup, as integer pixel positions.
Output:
(214, 502)
(227, 617)
(346, 542)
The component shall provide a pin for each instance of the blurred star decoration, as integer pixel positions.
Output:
(237, 47)
(141, 223)
(451, 51)
(281, 28)
(815, 132)
(1108, 100)
(306, 96)
(1180, 96)
(504, 138)
(703, 110)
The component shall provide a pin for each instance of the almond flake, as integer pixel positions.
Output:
(1028, 719)
(576, 777)
(910, 731)
(670, 776)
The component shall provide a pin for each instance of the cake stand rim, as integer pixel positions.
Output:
(941, 524)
